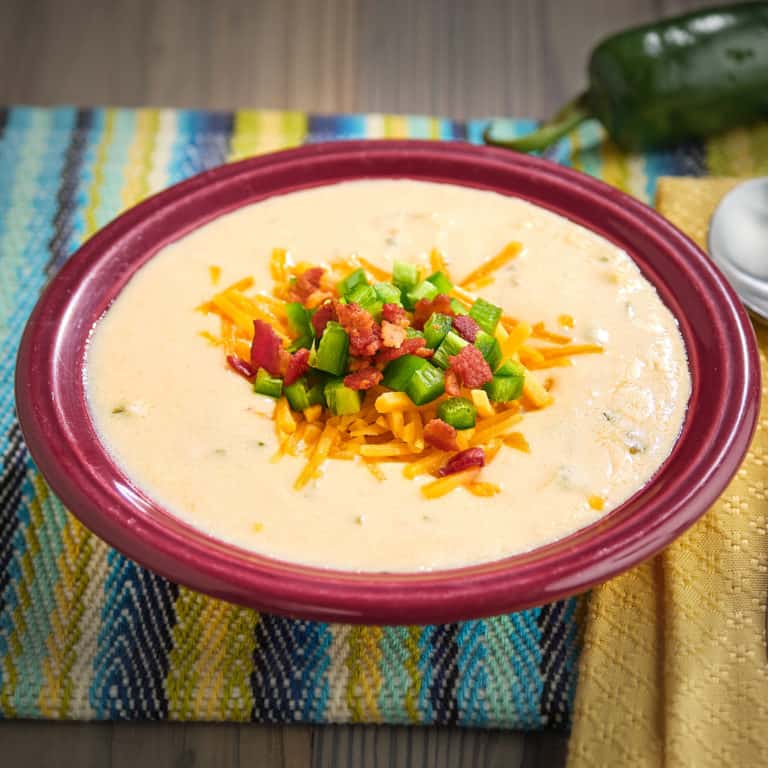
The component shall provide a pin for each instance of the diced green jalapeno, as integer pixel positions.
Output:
(458, 412)
(486, 315)
(399, 372)
(435, 329)
(405, 275)
(502, 389)
(424, 290)
(387, 293)
(412, 333)
(367, 298)
(451, 345)
(510, 368)
(301, 396)
(342, 401)
(441, 282)
(490, 348)
(299, 320)
(426, 385)
(266, 384)
(458, 308)
(351, 281)
(331, 352)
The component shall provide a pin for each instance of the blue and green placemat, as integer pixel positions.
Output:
(86, 633)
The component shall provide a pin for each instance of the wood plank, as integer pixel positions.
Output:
(544, 749)
(437, 56)
(41, 744)
(297, 746)
(418, 747)
(261, 745)
(213, 745)
(148, 745)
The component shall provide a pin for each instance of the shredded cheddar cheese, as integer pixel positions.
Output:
(486, 268)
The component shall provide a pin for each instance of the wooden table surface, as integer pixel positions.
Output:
(451, 58)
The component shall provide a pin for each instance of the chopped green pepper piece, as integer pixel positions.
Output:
(451, 345)
(502, 389)
(331, 352)
(425, 385)
(299, 320)
(351, 281)
(435, 329)
(298, 317)
(458, 308)
(405, 275)
(301, 396)
(367, 298)
(424, 290)
(459, 412)
(490, 348)
(387, 293)
(400, 371)
(441, 282)
(342, 401)
(510, 368)
(486, 315)
(412, 333)
(266, 384)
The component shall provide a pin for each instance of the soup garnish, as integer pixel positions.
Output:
(383, 367)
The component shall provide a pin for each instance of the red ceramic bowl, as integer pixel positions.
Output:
(717, 430)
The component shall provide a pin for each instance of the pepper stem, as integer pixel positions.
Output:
(548, 133)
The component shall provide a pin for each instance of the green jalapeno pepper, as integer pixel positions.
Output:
(680, 78)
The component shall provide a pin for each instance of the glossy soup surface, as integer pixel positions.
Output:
(194, 436)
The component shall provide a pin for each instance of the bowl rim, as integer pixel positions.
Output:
(721, 418)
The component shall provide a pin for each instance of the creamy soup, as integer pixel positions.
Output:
(194, 436)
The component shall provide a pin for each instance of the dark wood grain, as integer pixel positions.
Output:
(458, 59)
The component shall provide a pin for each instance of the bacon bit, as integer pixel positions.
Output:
(241, 366)
(452, 385)
(297, 366)
(324, 314)
(392, 335)
(472, 457)
(470, 366)
(424, 308)
(466, 327)
(440, 435)
(393, 313)
(363, 379)
(363, 331)
(265, 348)
(414, 346)
(307, 283)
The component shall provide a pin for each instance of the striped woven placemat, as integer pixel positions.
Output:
(86, 633)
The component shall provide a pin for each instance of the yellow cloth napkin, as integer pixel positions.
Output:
(674, 669)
